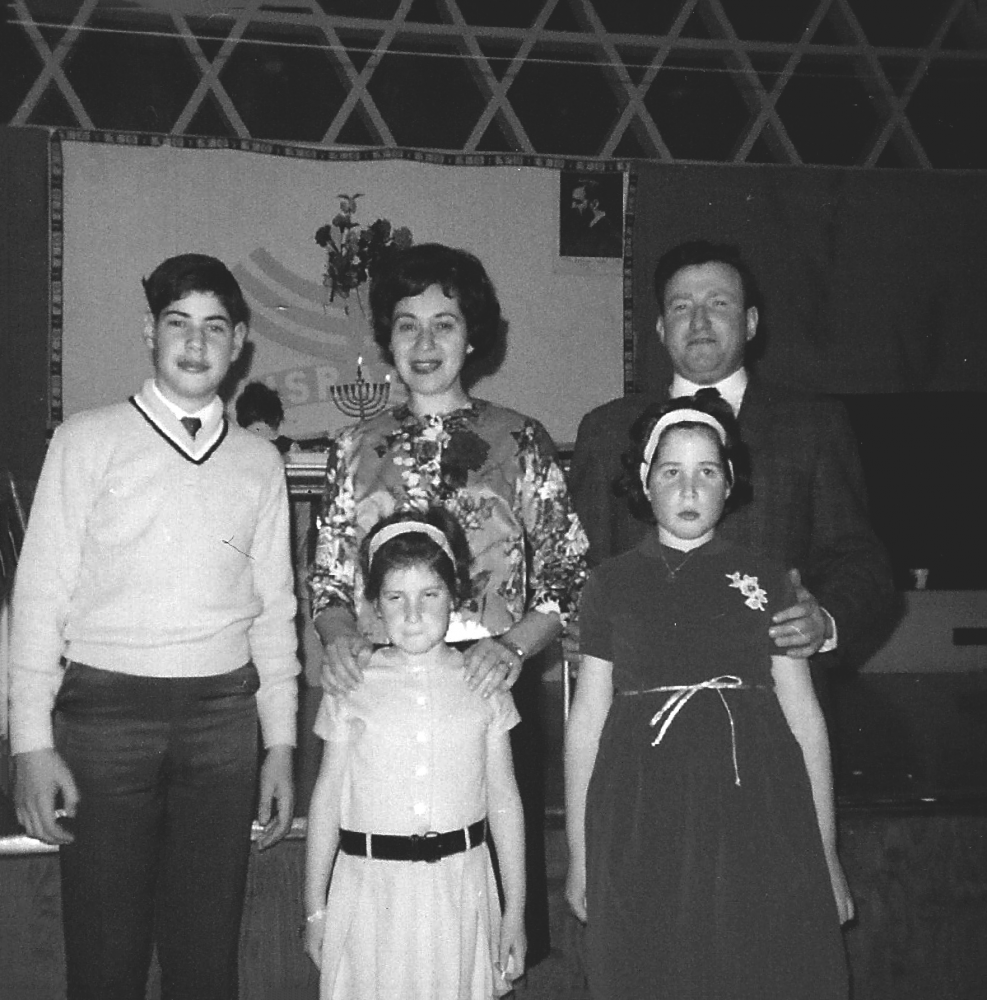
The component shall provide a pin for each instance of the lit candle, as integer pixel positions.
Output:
(359, 368)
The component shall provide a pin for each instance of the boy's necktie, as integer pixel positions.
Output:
(192, 425)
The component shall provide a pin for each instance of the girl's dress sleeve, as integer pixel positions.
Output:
(331, 721)
(556, 541)
(332, 578)
(504, 712)
(594, 624)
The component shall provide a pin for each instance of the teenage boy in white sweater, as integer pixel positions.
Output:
(153, 626)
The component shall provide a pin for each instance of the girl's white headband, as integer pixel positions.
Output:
(683, 416)
(408, 527)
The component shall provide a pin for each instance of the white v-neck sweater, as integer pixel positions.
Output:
(150, 555)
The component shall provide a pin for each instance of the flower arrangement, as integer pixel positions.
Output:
(353, 251)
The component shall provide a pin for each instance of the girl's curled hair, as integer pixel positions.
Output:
(416, 548)
(733, 454)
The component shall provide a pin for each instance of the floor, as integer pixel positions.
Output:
(552, 979)
(559, 976)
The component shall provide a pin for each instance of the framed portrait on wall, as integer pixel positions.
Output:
(591, 214)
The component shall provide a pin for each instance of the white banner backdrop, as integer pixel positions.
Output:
(128, 207)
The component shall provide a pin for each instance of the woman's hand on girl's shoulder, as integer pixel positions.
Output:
(343, 661)
(490, 665)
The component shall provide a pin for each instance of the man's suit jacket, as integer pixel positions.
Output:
(809, 507)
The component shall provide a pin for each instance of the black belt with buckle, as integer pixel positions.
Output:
(419, 847)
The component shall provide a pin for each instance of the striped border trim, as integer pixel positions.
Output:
(630, 341)
(56, 264)
(368, 154)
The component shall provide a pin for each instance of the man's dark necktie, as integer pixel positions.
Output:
(192, 425)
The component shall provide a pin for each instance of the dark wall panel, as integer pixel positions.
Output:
(24, 301)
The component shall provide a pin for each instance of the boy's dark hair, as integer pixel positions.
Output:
(733, 454)
(460, 275)
(179, 276)
(698, 252)
(415, 548)
(259, 402)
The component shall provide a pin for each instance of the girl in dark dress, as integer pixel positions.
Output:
(699, 800)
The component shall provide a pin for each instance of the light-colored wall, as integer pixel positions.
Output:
(923, 641)
(127, 208)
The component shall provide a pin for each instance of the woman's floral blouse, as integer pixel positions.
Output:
(495, 470)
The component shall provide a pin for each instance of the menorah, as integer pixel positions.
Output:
(361, 398)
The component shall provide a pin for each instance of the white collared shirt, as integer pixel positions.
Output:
(211, 416)
(732, 388)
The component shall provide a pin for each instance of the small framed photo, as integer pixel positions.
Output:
(591, 214)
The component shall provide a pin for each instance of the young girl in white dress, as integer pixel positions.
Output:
(416, 778)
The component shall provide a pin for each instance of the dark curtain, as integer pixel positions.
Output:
(873, 280)
(24, 302)
(874, 289)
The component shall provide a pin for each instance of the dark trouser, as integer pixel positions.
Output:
(167, 772)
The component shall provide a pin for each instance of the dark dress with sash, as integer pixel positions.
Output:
(705, 869)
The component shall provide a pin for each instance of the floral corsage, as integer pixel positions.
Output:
(756, 596)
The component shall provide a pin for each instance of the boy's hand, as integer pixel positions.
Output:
(512, 950)
(40, 776)
(277, 795)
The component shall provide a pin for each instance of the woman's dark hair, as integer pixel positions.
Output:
(259, 402)
(733, 454)
(177, 277)
(410, 271)
(415, 548)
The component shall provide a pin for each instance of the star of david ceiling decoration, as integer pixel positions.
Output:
(884, 83)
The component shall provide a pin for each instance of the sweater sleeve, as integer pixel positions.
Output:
(272, 637)
(46, 576)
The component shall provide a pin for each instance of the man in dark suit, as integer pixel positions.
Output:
(809, 505)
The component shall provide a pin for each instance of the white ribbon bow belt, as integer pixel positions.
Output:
(679, 697)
